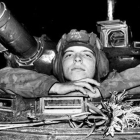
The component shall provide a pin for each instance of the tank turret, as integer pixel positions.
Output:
(21, 49)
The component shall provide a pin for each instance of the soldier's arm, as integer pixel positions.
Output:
(26, 83)
(128, 79)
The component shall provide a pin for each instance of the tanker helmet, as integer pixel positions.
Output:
(81, 38)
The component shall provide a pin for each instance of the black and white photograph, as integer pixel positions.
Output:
(70, 70)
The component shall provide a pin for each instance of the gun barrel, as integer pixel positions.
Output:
(14, 35)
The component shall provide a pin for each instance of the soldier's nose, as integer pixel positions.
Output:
(78, 58)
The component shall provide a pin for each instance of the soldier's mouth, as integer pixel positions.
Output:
(78, 69)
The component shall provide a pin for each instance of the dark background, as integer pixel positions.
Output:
(55, 18)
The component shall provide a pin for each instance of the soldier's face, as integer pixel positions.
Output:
(78, 62)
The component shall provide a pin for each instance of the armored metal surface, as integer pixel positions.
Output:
(58, 131)
(62, 133)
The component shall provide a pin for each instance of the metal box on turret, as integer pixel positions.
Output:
(113, 33)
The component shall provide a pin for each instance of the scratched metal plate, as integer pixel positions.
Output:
(62, 134)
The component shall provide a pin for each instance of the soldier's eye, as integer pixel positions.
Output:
(68, 55)
(88, 55)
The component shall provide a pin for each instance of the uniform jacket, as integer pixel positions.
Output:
(24, 82)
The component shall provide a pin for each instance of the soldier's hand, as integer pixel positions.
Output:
(90, 84)
(87, 83)
(90, 81)
(95, 94)
(84, 86)
(65, 88)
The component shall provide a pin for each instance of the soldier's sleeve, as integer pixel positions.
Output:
(128, 80)
(24, 82)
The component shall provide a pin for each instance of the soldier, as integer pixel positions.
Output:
(79, 65)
